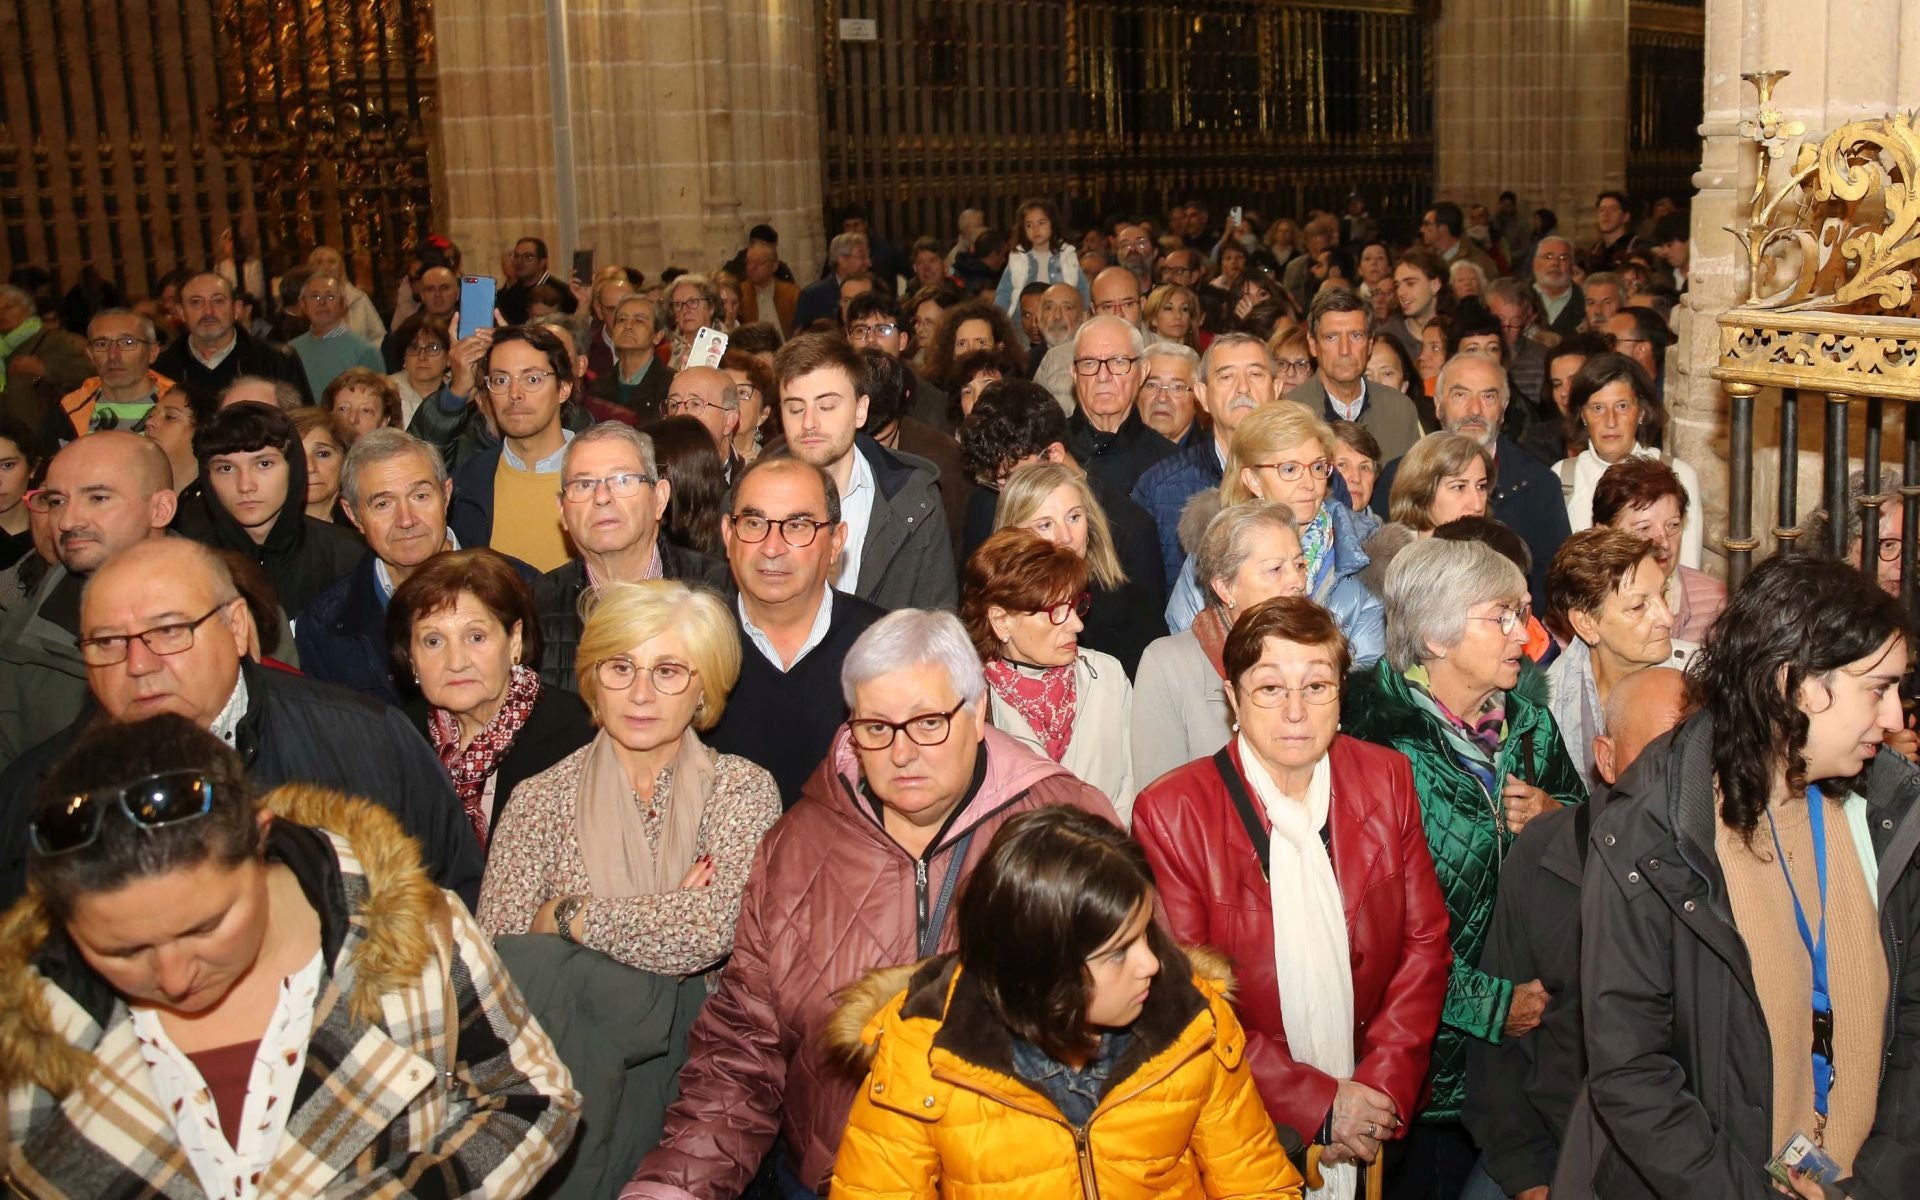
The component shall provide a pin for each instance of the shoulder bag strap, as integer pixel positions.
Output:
(1223, 762)
(937, 919)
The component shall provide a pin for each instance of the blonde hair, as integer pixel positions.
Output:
(1267, 430)
(627, 614)
(1432, 458)
(1028, 488)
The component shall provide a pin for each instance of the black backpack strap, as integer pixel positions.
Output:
(1223, 762)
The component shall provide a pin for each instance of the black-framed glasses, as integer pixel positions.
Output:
(624, 485)
(153, 802)
(1273, 695)
(1508, 619)
(797, 532)
(425, 349)
(923, 729)
(1889, 549)
(1057, 613)
(126, 344)
(1116, 365)
(1319, 468)
(617, 674)
(171, 638)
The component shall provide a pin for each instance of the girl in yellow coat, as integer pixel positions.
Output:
(1066, 1050)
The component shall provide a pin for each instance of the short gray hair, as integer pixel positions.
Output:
(1606, 279)
(146, 323)
(1223, 547)
(1429, 589)
(842, 246)
(1137, 342)
(1227, 341)
(612, 431)
(1164, 349)
(1452, 364)
(384, 445)
(912, 637)
(286, 396)
(574, 323)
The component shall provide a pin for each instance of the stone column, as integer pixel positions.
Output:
(692, 123)
(1851, 59)
(1531, 96)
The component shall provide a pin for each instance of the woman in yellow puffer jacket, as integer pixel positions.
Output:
(1067, 1049)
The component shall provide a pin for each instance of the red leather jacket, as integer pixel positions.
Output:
(1214, 894)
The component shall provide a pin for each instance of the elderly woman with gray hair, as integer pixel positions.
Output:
(1486, 760)
(1250, 552)
(861, 873)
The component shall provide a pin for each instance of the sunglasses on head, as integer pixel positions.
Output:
(168, 798)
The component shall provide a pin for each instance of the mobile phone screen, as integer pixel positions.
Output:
(476, 302)
(583, 265)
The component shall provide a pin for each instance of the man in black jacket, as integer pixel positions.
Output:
(1105, 433)
(1521, 1090)
(216, 351)
(611, 501)
(163, 629)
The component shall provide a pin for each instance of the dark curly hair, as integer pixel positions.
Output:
(938, 353)
(1794, 613)
(1012, 420)
(1057, 884)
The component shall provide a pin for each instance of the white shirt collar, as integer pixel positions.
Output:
(226, 723)
(233, 343)
(550, 465)
(822, 619)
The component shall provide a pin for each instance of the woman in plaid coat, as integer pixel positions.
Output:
(209, 995)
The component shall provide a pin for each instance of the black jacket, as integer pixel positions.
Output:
(250, 356)
(296, 731)
(1116, 460)
(906, 560)
(557, 594)
(1680, 1069)
(303, 556)
(649, 399)
(558, 725)
(1521, 1091)
(343, 633)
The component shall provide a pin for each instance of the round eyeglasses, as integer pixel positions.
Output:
(1320, 468)
(797, 532)
(618, 673)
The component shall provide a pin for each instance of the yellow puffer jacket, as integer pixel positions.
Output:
(943, 1114)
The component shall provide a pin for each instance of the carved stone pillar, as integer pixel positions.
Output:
(1531, 96)
(692, 122)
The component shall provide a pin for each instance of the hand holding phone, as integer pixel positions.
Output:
(477, 294)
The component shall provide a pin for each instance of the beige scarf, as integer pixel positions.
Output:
(620, 862)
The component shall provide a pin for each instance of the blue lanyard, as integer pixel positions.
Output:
(1816, 950)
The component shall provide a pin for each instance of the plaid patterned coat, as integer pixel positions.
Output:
(425, 1074)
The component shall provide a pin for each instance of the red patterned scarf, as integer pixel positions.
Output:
(1210, 629)
(1046, 700)
(471, 767)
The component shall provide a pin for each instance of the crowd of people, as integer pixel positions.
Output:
(1164, 708)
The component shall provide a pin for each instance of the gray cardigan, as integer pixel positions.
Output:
(1179, 708)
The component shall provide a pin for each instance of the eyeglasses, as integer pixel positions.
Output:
(926, 729)
(669, 678)
(1889, 549)
(1176, 388)
(1294, 366)
(168, 798)
(1117, 365)
(1559, 258)
(1320, 468)
(624, 485)
(525, 256)
(1057, 613)
(1115, 307)
(172, 638)
(744, 392)
(885, 329)
(687, 305)
(1272, 695)
(425, 349)
(1507, 619)
(321, 298)
(798, 532)
(690, 405)
(531, 381)
(126, 344)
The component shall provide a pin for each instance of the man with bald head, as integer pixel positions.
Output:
(706, 394)
(1063, 310)
(216, 350)
(164, 630)
(1116, 293)
(1521, 1090)
(104, 493)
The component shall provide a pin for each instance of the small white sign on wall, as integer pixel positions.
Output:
(859, 29)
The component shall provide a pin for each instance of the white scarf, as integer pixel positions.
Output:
(1311, 957)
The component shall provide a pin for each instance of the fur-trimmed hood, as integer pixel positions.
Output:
(380, 919)
(861, 1007)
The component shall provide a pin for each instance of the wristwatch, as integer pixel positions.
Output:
(564, 913)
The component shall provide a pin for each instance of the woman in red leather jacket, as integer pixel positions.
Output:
(1292, 816)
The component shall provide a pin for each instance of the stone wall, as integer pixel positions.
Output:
(692, 122)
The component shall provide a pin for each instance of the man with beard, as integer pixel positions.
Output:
(216, 351)
(1062, 312)
(1471, 396)
(1562, 306)
(504, 497)
(1137, 254)
(1340, 335)
(1237, 375)
(103, 493)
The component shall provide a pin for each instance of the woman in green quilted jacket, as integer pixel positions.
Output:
(1486, 760)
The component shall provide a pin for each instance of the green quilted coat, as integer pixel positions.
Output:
(1468, 844)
